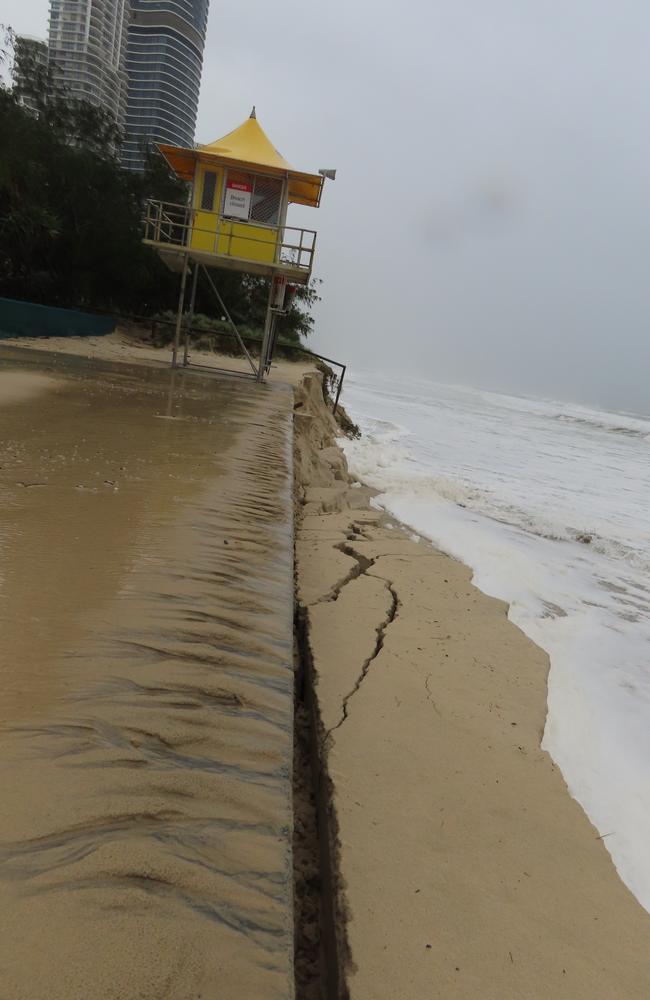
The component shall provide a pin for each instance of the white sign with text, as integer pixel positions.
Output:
(237, 203)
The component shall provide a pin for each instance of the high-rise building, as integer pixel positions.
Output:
(29, 71)
(87, 51)
(164, 61)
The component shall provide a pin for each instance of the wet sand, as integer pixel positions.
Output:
(17, 386)
(462, 867)
(129, 346)
(147, 679)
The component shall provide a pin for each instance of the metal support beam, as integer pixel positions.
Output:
(266, 339)
(190, 316)
(179, 314)
(274, 339)
(340, 386)
(241, 343)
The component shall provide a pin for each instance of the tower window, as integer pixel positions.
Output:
(209, 188)
(265, 204)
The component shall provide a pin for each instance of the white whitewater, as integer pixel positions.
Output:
(549, 504)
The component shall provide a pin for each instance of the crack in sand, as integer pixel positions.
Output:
(363, 566)
(381, 633)
(429, 695)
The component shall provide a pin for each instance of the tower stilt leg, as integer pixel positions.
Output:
(266, 339)
(274, 340)
(190, 315)
(179, 314)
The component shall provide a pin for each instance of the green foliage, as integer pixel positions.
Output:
(216, 335)
(246, 296)
(71, 217)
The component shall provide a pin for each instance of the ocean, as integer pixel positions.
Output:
(549, 504)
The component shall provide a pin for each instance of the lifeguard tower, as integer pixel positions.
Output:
(236, 218)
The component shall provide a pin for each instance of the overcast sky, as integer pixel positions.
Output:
(490, 221)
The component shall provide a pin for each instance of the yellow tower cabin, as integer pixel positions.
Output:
(236, 218)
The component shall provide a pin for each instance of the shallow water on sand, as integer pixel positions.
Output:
(146, 679)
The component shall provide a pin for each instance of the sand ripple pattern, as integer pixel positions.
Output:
(146, 791)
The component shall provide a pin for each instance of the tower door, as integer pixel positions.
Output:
(207, 194)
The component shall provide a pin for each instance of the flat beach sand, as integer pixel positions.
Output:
(146, 816)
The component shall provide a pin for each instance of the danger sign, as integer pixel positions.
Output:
(237, 202)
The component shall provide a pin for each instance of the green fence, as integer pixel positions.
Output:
(26, 319)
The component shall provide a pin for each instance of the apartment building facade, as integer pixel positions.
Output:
(164, 61)
(87, 51)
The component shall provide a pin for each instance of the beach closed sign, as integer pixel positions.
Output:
(237, 201)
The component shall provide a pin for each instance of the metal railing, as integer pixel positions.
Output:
(174, 226)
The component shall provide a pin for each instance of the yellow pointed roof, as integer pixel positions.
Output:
(248, 148)
(249, 143)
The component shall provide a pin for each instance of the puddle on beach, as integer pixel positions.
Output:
(146, 677)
